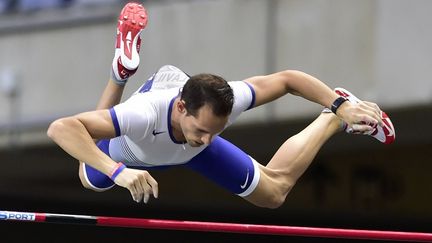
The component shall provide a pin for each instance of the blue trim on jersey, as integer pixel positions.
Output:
(253, 96)
(226, 165)
(148, 84)
(115, 121)
(169, 121)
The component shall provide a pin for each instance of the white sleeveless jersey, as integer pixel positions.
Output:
(143, 121)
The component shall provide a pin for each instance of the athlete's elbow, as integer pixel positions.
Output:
(290, 79)
(56, 128)
(291, 74)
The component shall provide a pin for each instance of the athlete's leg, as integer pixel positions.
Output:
(291, 160)
(231, 168)
(132, 20)
(296, 154)
(228, 166)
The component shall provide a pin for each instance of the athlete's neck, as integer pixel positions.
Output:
(175, 124)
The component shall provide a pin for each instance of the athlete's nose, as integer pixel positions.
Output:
(206, 139)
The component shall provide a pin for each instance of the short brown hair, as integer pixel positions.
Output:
(208, 89)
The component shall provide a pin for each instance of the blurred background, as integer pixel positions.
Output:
(55, 61)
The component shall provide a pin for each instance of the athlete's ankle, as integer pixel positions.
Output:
(120, 82)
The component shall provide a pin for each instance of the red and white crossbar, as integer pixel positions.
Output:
(216, 227)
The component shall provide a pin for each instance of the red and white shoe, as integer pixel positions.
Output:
(385, 134)
(132, 20)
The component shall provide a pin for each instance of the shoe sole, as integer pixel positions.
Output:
(132, 20)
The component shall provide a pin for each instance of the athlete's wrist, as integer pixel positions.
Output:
(116, 170)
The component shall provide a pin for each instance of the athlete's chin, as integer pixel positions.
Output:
(195, 144)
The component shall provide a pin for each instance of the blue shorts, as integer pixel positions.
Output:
(221, 162)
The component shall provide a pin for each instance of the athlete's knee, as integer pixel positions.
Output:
(270, 200)
(278, 186)
(272, 195)
(85, 183)
(275, 202)
(278, 197)
(83, 180)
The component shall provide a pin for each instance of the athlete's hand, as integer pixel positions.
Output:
(361, 117)
(139, 182)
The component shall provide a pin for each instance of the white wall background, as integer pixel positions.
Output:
(379, 49)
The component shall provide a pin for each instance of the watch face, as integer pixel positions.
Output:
(337, 103)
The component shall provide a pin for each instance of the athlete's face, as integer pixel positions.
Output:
(202, 128)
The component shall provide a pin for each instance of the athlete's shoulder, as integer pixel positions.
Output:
(244, 98)
(154, 96)
(169, 76)
(240, 85)
(170, 68)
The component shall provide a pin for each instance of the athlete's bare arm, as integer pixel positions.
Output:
(270, 87)
(76, 136)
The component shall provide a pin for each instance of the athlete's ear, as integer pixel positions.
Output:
(181, 106)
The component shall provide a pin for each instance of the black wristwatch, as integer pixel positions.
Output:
(338, 102)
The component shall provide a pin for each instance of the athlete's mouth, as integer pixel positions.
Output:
(196, 144)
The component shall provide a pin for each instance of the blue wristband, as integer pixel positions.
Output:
(119, 168)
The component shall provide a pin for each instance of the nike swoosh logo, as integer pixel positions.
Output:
(246, 181)
(156, 133)
(129, 41)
